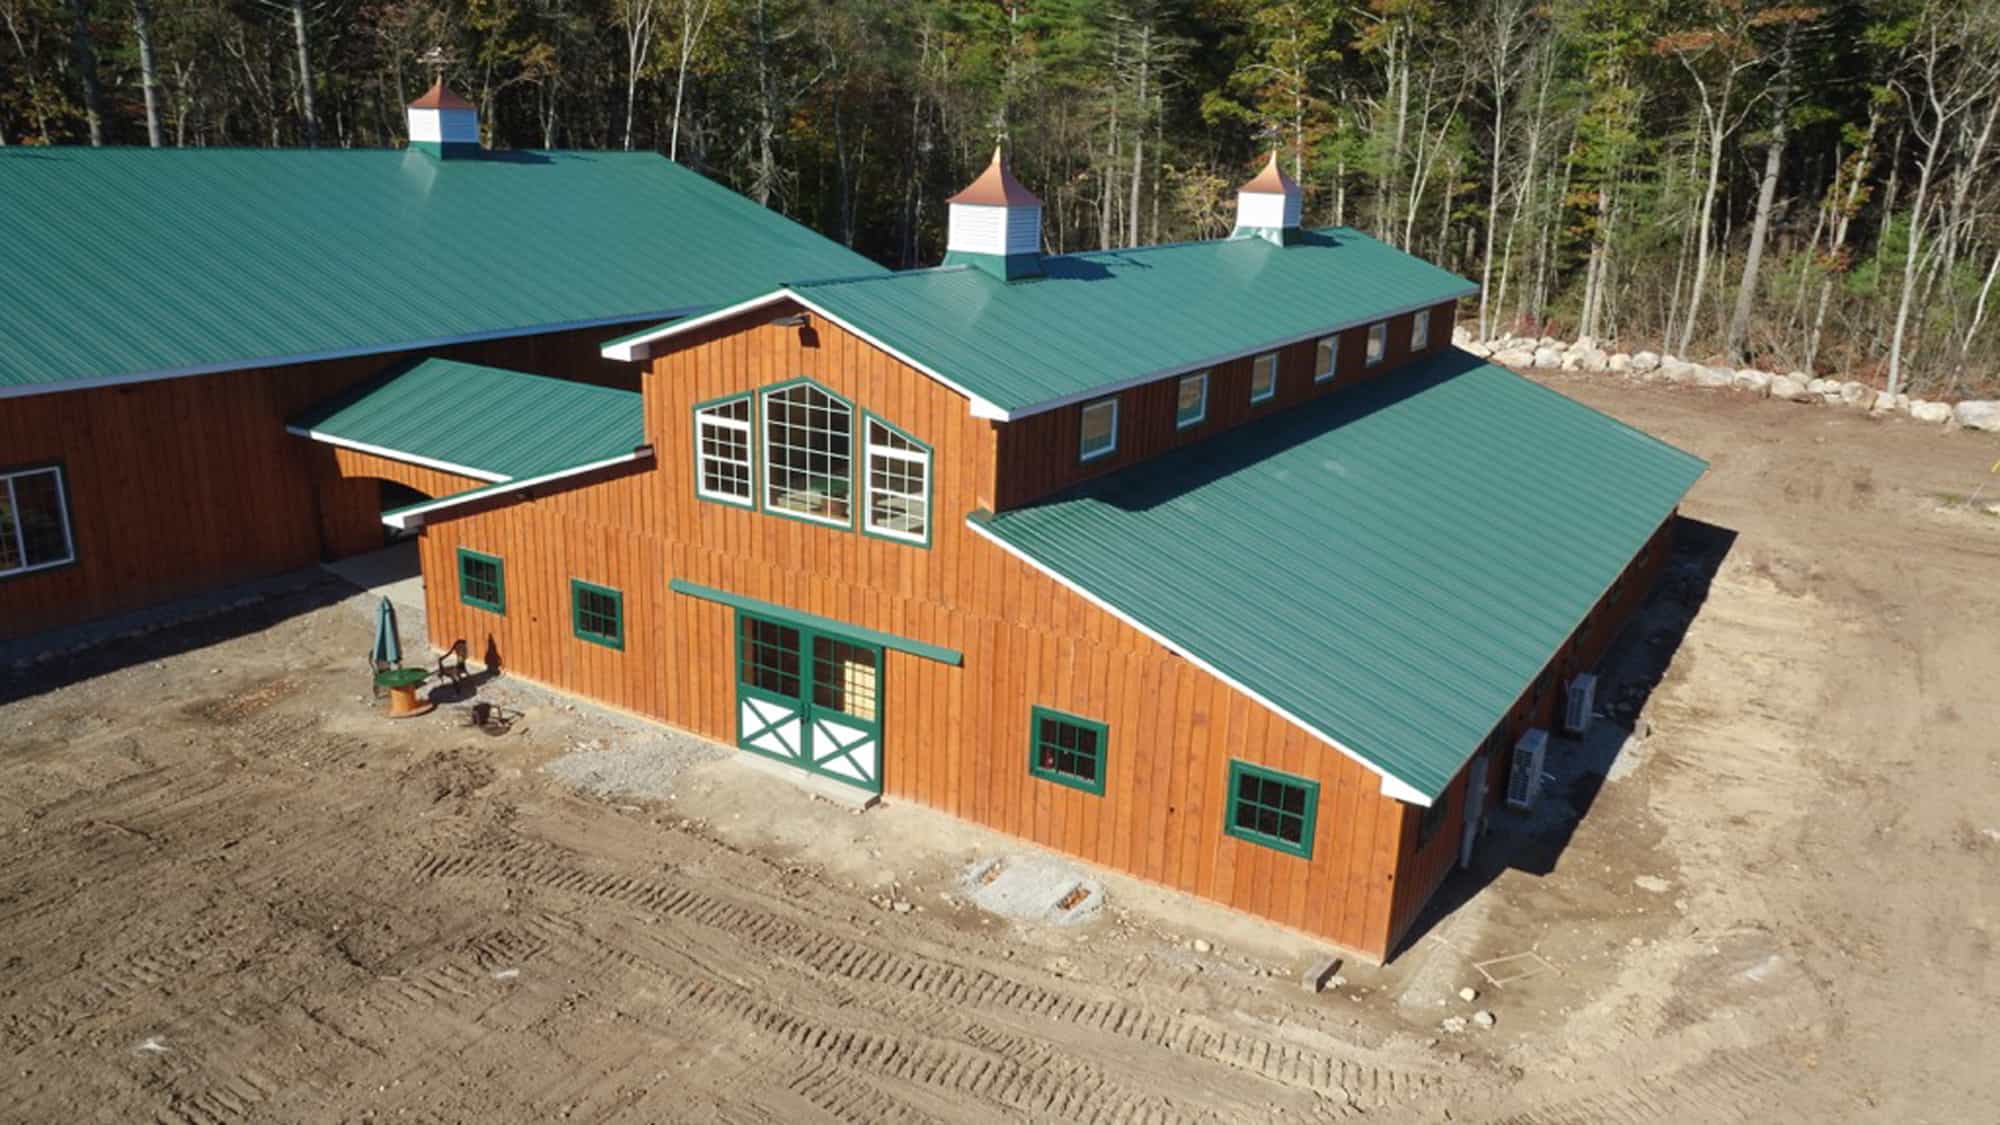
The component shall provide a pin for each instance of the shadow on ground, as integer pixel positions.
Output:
(1576, 768)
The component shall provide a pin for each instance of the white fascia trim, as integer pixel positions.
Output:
(408, 518)
(636, 347)
(1211, 361)
(1391, 786)
(398, 455)
(337, 353)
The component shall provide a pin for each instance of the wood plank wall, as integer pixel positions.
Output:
(956, 737)
(178, 486)
(348, 487)
(1038, 454)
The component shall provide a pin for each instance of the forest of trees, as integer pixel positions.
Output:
(1799, 186)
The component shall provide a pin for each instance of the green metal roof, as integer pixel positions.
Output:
(1392, 565)
(481, 421)
(135, 262)
(1118, 317)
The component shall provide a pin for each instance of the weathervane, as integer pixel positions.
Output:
(437, 58)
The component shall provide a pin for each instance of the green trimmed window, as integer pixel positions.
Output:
(1067, 749)
(722, 451)
(597, 613)
(1264, 377)
(808, 454)
(1191, 405)
(1326, 358)
(1272, 808)
(482, 580)
(898, 500)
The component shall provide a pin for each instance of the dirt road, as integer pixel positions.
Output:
(232, 893)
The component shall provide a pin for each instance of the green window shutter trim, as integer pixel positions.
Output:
(469, 580)
(1099, 758)
(614, 637)
(821, 624)
(1238, 770)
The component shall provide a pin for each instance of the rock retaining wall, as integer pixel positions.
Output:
(1583, 354)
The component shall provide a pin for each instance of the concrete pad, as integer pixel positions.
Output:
(1032, 888)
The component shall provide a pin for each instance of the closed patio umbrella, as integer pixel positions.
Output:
(388, 648)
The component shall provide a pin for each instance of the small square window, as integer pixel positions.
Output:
(1264, 377)
(1271, 808)
(1099, 431)
(1067, 749)
(1420, 330)
(597, 613)
(1326, 358)
(1378, 342)
(482, 581)
(1191, 406)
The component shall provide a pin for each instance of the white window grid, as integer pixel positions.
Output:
(1102, 408)
(1183, 418)
(1326, 358)
(898, 497)
(722, 452)
(808, 454)
(14, 555)
(1420, 330)
(1378, 342)
(1264, 377)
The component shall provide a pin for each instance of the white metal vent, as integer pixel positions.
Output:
(1524, 782)
(1581, 701)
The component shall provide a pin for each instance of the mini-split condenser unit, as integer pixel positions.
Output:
(1524, 782)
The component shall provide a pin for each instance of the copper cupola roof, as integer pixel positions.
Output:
(997, 187)
(1272, 179)
(439, 97)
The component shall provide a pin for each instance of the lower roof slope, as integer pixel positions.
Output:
(125, 263)
(481, 422)
(1391, 566)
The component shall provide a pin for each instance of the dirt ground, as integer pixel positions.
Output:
(232, 892)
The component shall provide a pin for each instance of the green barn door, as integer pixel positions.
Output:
(810, 699)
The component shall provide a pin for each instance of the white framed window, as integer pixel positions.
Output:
(1326, 358)
(897, 503)
(1264, 377)
(1378, 342)
(34, 521)
(1097, 435)
(1191, 401)
(722, 452)
(1420, 330)
(808, 454)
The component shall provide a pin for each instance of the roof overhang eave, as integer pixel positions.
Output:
(25, 390)
(640, 346)
(415, 515)
(405, 456)
(1391, 786)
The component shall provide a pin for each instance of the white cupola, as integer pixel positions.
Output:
(995, 224)
(444, 124)
(1268, 206)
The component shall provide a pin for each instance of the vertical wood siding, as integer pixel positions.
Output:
(177, 486)
(956, 738)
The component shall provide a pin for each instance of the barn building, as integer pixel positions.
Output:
(1213, 563)
(165, 314)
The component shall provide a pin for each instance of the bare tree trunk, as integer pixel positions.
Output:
(691, 24)
(306, 110)
(1978, 317)
(149, 72)
(1704, 229)
(1856, 177)
(638, 18)
(1145, 52)
(86, 68)
(1736, 343)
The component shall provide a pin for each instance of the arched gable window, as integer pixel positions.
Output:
(808, 453)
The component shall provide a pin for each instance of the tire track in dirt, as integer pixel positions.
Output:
(939, 982)
(1726, 1086)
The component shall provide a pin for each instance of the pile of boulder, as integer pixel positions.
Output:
(1583, 354)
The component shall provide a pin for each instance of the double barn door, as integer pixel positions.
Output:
(810, 699)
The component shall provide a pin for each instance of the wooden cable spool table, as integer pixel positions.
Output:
(402, 684)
